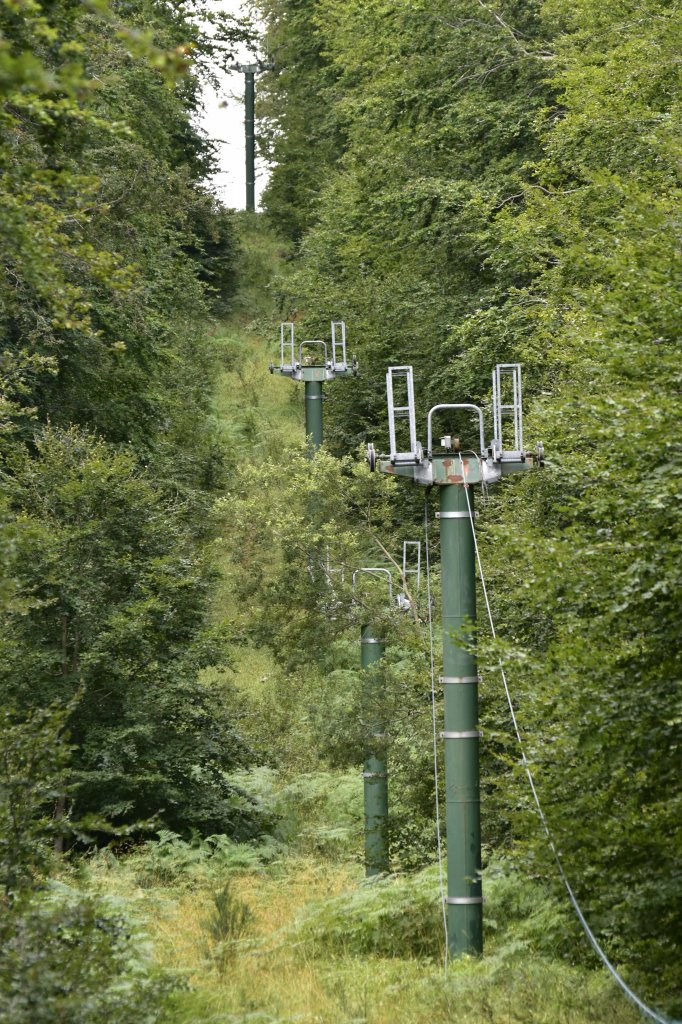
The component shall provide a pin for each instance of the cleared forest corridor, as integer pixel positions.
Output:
(318, 943)
(216, 716)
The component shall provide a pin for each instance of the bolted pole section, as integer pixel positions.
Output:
(313, 414)
(375, 775)
(460, 733)
(249, 132)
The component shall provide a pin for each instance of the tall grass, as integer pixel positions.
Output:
(302, 937)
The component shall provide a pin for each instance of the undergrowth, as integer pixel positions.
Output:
(401, 916)
(287, 931)
(173, 861)
(313, 813)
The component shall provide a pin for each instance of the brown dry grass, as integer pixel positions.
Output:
(271, 980)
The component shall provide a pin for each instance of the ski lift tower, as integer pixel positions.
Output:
(250, 71)
(375, 769)
(455, 473)
(314, 364)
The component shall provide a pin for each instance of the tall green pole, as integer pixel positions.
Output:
(249, 106)
(375, 774)
(454, 474)
(313, 413)
(461, 735)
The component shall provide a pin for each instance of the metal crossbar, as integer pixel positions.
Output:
(377, 572)
(315, 342)
(453, 405)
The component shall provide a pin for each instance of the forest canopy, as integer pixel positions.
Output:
(115, 256)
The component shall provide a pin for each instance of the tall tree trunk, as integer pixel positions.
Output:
(59, 813)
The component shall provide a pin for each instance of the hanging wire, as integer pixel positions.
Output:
(435, 736)
(639, 1003)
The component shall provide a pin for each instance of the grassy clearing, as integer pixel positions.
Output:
(250, 402)
(255, 411)
(255, 408)
(315, 949)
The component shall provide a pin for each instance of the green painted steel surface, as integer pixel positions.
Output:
(313, 373)
(313, 412)
(375, 769)
(458, 575)
(249, 103)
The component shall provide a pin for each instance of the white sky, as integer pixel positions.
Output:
(225, 125)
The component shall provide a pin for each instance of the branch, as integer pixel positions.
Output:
(540, 188)
(514, 35)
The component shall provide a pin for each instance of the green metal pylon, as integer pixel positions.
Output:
(460, 723)
(250, 71)
(313, 368)
(375, 773)
(455, 474)
(313, 413)
(250, 135)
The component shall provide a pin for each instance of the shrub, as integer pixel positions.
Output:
(388, 916)
(314, 813)
(77, 959)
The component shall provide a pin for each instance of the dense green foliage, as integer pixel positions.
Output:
(498, 183)
(79, 959)
(464, 183)
(120, 591)
(296, 541)
(114, 257)
(32, 769)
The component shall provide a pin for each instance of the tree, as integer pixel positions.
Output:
(118, 616)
